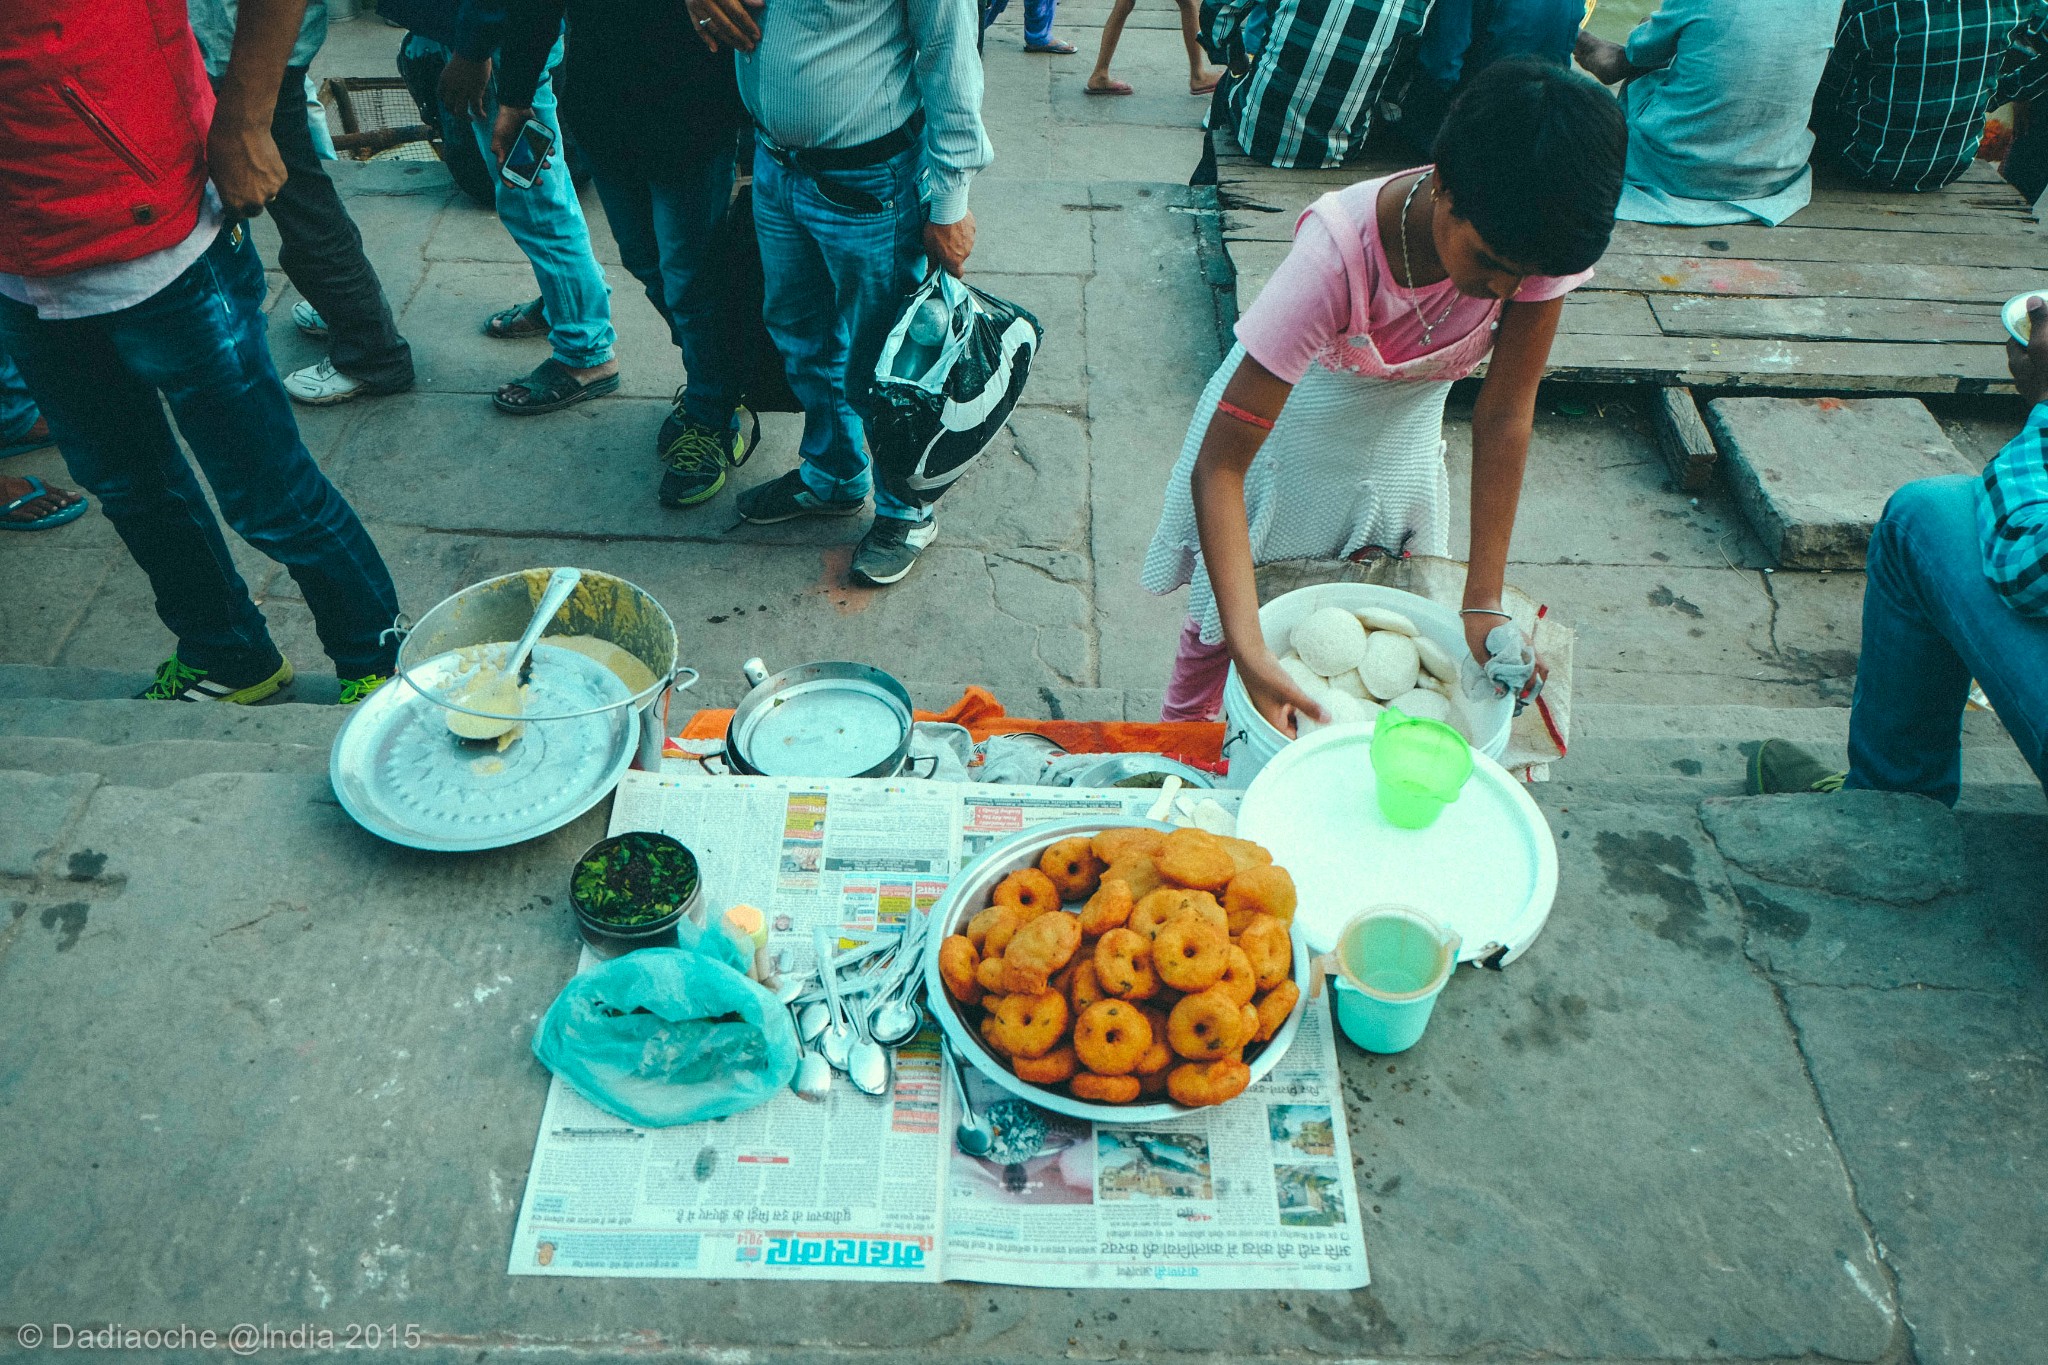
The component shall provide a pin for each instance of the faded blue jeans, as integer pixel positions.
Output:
(1931, 622)
(18, 411)
(667, 233)
(202, 343)
(836, 275)
(547, 223)
(1037, 18)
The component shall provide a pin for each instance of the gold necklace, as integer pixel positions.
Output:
(1408, 266)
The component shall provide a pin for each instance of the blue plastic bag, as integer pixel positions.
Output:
(670, 1035)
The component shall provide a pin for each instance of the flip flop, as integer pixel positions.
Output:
(1058, 47)
(552, 388)
(1208, 89)
(520, 320)
(38, 489)
(23, 444)
(1113, 88)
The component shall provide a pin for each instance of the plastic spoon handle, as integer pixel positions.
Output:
(561, 583)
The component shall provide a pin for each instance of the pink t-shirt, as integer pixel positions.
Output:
(1306, 306)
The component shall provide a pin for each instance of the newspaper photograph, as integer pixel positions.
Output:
(1256, 1192)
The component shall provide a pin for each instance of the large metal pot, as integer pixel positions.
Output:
(820, 720)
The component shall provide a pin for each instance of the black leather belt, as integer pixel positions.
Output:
(812, 160)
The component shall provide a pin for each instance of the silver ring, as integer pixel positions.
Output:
(703, 23)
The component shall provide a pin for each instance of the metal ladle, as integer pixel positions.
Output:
(838, 1039)
(501, 694)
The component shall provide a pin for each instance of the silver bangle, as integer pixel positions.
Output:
(1486, 611)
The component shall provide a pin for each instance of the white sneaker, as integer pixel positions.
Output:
(307, 319)
(321, 384)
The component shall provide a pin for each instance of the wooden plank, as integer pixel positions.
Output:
(1589, 312)
(1815, 279)
(2020, 250)
(1708, 362)
(1683, 437)
(1699, 315)
(1255, 263)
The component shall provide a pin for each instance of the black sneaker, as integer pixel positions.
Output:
(890, 549)
(671, 425)
(177, 680)
(787, 498)
(698, 460)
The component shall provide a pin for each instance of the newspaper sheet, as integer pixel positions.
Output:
(1254, 1193)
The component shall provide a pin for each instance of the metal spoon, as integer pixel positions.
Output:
(788, 984)
(838, 1039)
(504, 694)
(811, 1023)
(813, 1077)
(972, 1135)
(894, 1020)
(867, 1061)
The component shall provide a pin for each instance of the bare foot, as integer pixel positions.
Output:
(1100, 83)
(584, 376)
(1203, 82)
(54, 500)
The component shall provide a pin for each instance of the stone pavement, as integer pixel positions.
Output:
(1771, 1086)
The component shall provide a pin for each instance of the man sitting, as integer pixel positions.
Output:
(1957, 588)
(1903, 101)
(1718, 99)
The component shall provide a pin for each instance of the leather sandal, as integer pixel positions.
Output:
(550, 388)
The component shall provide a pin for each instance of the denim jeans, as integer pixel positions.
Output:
(201, 342)
(546, 222)
(667, 233)
(1931, 622)
(18, 411)
(1037, 18)
(1463, 37)
(836, 276)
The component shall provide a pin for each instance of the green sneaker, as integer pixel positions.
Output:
(698, 459)
(177, 680)
(354, 690)
(1779, 767)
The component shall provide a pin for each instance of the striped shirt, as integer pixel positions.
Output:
(2012, 518)
(1308, 98)
(1905, 94)
(837, 73)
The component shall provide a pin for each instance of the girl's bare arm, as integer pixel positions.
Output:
(1502, 420)
(1218, 484)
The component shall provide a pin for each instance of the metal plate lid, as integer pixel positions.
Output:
(824, 727)
(1487, 868)
(399, 772)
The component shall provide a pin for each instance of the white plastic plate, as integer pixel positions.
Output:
(1487, 868)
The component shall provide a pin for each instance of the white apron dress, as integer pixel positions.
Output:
(1356, 458)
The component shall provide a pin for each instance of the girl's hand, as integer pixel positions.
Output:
(1275, 693)
(1477, 628)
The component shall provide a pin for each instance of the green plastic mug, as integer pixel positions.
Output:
(1419, 767)
(1391, 964)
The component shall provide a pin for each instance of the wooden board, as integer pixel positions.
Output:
(1861, 291)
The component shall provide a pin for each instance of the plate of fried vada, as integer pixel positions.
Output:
(1121, 971)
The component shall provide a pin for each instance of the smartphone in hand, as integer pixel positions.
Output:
(529, 153)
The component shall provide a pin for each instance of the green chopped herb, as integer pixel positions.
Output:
(636, 880)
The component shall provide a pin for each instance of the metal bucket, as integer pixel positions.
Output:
(603, 607)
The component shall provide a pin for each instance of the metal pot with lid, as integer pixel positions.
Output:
(820, 720)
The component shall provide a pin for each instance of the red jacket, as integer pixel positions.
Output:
(104, 107)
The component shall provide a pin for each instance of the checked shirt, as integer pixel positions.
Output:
(1309, 95)
(2012, 518)
(1903, 101)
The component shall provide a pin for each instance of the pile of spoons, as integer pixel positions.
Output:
(852, 1008)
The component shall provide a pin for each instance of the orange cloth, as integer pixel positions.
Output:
(1198, 744)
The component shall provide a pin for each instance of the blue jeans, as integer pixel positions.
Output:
(1930, 623)
(835, 279)
(667, 232)
(1037, 18)
(201, 342)
(547, 222)
(18, 411)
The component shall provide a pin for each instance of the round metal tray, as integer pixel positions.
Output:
(401, 775)
(969, 894)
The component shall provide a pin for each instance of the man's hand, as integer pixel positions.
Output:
(1607, 62)
(243, 161)
(505, 132)
(464, 83)
(947, 245)
(2029, 363)
(727, 22)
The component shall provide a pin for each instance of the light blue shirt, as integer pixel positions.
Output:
(1717, 132)
(213, 24)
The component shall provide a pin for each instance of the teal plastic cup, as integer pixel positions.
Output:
(1419, 766)
(1392, 963)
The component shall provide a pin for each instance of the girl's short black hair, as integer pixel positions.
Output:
(1532, 157)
